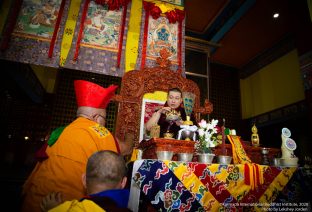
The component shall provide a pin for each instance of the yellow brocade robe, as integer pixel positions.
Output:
(75, 205)
(62, 171)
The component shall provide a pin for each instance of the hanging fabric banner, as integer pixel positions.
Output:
(98, 44)
(133, 35)
(147, 7)
(69, 30)
(121, 34)
(56, 28)
(35, 32)
(83, 18)
(100, 23)
(162, 29)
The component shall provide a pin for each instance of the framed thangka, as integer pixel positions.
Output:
(34, 38)
(37, 19)
(102, 28)
(162, 34)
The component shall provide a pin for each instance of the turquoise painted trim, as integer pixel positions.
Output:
(232, 21)
(220, 18)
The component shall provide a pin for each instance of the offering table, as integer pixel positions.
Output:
(192, 186)
(149, 148)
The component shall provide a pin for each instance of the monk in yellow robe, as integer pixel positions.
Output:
(67, 157)
(105, 181)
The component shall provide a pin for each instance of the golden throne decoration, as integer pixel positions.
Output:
(136, 83)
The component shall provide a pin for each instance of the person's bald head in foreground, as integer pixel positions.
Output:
(105, 170)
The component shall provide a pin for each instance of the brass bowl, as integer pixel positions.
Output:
(168, 135)
(173, 115)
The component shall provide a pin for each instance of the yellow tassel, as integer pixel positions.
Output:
(261, 175)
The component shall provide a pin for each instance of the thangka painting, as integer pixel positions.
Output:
(37, 19)
(176, 2)
(161, 34)
(102, 27)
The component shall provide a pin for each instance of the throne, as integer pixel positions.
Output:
(135, 84)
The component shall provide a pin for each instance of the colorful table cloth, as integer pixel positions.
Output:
(298, 189)
(191, 186)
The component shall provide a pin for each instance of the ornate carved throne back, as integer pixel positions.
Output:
(136, 83)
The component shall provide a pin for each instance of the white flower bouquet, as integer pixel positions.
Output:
(207, 136)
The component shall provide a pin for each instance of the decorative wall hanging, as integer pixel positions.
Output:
(162, 28)
(69, 30)
(133, 35)
(37, 19)
(162, 34)
(35, 26)
(83, 18)
(44, 37)
(102, 26)
(101, 29)
(98, 38)
(40, 20)
(97, 32)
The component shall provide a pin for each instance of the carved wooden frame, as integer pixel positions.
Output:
(138, 82)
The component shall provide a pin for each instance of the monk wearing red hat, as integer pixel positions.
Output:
(67, 157)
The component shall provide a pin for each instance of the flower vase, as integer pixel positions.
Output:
(205, 157)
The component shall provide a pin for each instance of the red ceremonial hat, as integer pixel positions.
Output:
(92, 95)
